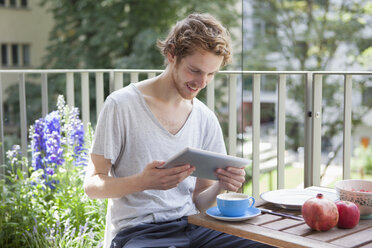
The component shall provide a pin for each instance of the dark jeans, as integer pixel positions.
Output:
(178, 233)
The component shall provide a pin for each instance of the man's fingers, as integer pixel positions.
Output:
(232, 170)
(175, 179)
(179, 169)
(237, 171)
(232, 181)
(156, 163)
(231, 177)
(229, 186)
(237, 174)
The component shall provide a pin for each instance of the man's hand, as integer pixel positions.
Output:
(231, 178)
(154, 178)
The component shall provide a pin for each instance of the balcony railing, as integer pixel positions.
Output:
(312, 115)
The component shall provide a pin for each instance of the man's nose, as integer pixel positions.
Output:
(203, 80)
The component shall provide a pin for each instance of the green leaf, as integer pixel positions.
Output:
(20, 174)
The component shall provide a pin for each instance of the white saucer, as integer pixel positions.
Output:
(250, 213)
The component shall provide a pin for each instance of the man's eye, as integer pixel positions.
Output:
(194, 71)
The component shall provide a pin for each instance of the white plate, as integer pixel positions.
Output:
(250, 213)
(292, 198)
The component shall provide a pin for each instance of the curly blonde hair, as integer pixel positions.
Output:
(197, 31)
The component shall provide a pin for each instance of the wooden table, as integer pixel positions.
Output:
(285, 232)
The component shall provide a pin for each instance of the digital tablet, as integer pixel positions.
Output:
(205, 162)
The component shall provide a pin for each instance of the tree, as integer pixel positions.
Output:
(308, 33)
(312, 35)
(120, 33)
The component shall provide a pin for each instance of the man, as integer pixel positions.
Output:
(146, 123)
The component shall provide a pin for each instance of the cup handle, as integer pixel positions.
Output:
(253, 201)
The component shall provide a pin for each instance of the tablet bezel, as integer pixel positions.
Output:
(206, 162)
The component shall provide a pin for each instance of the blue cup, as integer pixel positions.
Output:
(234, 204)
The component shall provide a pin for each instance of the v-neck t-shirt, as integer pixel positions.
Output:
(130, 136)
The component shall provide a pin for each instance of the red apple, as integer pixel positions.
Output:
(348, 213)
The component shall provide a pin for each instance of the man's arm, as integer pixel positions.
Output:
(205, 192)
(98, 184)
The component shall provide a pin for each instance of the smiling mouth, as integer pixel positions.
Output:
(191, 88)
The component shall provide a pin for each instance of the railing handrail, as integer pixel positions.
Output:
(31, 71)
(17, 71)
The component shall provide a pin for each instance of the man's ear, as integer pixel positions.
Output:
(170, 55)
(171, 58)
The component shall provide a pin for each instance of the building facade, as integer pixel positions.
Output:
(24, 31)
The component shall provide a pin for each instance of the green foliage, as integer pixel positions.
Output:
(307, 34)
(33, 215)
(311, 35)
(119, 33)
(268, 180)
(362, 159)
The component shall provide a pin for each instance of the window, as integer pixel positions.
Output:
(12, 3)
(26, 54)
(14, 55)
(4, 55)
(15, 59)
(24, 3)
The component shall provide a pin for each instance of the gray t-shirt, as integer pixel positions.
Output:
(130, 136)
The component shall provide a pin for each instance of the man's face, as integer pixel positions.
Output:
(193, 72)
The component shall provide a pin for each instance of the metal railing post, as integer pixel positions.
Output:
(210, 95)
(134, 77)
(308, 130)
(347, 126)
(85, 99)
(44, 94)
(317, 129)
(118, 80)
(256, 122)
(111, 81)
(151, 74)
(23, 116)
(232, 114)
(70, 89)
(2, 152)
(99, 92)
(281, 131)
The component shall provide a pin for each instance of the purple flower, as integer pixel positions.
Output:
(67, 226)
(13, 154)
(52, 122)
(73, 232)
(37, 144)
(51, 137)
(75, 133)
(54, 151)
(51, 184)
(46, 146)
(50, 171)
